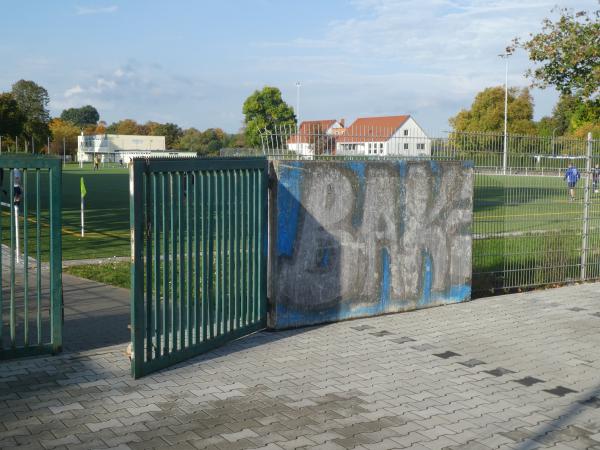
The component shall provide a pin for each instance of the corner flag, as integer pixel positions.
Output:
(83, 190)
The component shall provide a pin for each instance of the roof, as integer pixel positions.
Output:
(310, 127)
(373, 129)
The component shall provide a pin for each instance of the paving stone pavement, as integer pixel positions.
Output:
(513, 372)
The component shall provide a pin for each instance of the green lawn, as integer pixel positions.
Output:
(106, 213)
(526, 229)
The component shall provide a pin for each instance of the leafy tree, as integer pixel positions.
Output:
(11, 118)
(207, 142)
(571, 115)
(126, 126)
(32, 101)
(63, 130)
(86, 115)
(191, 140)
(567, 52)
(487, 112)
(266, 109)
(170, 131)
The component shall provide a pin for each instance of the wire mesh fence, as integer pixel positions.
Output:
(529, 228)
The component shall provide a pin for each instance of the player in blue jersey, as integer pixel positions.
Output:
(572, 176)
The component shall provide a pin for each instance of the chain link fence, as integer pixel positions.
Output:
(528, 230)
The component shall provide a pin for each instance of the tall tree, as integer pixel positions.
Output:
(33, 100)
(170, 131)
(266, 109)
(572, 116)
(207, 142)
(567, 52)
(86, 115)
(487, 112)
(11, 118)
(63, 132)
(125, 126)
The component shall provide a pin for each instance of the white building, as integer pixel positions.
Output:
(316, 134)
(116, 147)
(383, 136)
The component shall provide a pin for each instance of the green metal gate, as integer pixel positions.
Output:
(199, 256)
(30, 255)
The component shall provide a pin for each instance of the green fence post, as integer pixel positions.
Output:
(136, 215)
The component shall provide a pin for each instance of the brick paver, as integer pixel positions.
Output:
(514, 372)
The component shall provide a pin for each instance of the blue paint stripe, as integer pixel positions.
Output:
(288, 206)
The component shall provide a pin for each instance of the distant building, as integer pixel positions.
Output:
(116, 147)
(316, 136)
(382, 136)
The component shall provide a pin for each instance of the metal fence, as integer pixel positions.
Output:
(199, 256)
(30, 255)
(527, 229)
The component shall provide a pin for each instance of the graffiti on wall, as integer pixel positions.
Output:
(352, 239)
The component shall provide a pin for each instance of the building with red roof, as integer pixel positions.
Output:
(316, 137)
(383, 136)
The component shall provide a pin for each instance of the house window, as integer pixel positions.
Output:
(405, 146)
(381, 147)
(369, 148)
(420, 146)
(405, 132)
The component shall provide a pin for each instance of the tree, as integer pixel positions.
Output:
(126, 126)
(170, 131)
(568, 54)
(207, 142)
(266, 109)
(86, 115)
(32, 101)
(570, 116)
(63, 131)
(487, 112)
(11, 118)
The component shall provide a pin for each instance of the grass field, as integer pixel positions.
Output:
(527, 231)
(106, 213)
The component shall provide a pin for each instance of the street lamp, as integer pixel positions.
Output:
(297, 104)
(507, 52)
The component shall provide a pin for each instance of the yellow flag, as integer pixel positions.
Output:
(83, 191)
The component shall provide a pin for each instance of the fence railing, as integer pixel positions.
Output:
(30, 255)
(199, 256)
(527, 229)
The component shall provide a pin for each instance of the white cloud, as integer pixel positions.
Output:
(395, 56)
(86, 11)
(75, 90)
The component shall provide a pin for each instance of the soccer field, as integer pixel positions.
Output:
(526, 229)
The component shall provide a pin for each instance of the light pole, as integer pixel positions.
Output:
(505, 55)
(297, 104)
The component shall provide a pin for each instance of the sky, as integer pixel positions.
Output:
(195, 62)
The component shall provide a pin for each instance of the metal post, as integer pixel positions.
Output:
(48, 144)
(505, 153)
(507, 52)
(64, 153)
(586, 207)
(16, 144)
(297, 105)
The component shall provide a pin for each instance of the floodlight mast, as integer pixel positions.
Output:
(297, 104)
(507, 52)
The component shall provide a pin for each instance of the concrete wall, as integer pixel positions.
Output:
(361, 238)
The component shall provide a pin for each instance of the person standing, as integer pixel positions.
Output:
(96, 162)
(596, 178)
(17, 191)
(572, 176)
